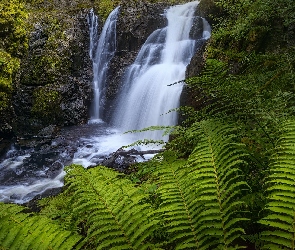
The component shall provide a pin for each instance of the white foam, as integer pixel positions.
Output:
(13, 162)
(26, 191)
(95, 121)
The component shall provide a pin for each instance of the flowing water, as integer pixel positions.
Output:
(144, 100)
(102, 50)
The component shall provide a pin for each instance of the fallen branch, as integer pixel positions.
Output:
(136, 152)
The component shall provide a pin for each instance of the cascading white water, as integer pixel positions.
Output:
(146, 97)
(101, 52)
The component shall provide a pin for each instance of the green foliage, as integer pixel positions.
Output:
(8, 67)
(114, 213)
(22, 230)
(252, 25)
(255, 91)
(46, 105)
(280, 233)
(201, 200)
(13, 27)
(217, 160)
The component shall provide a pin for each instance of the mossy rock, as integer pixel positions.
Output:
(4, 100)
(46, 105)
(7, 116)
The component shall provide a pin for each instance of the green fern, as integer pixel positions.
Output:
(20, 230)
(114, 212)
(177, 206)
(202, 204)
(215, 165)
(281, 205)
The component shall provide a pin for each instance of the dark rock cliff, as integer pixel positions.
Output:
(195, 97)
(54, 86)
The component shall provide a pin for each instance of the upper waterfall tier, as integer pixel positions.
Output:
(145, 97)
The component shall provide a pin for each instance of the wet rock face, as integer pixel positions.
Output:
(195, 97)
(196, 31)
(55, 79)
(6, 122)
(197, 62)
(137, 22)
(7, 119)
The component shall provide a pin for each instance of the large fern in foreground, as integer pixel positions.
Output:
(115, 214)
(178, 205)
(215, 168)
(21, 231)
(281, 206)
(202, 203)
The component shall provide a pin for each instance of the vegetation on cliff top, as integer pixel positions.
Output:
(13, 41)
(13, 44)
(227, 178)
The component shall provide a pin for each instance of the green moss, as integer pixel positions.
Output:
(50, 60)
(13, 45)
(4, 101)
(14, 40)
(46, 105)
(13, 27)
(8, 67)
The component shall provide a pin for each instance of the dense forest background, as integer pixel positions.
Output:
(226, 179)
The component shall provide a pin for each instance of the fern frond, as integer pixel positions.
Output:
(177, 207)
(20, 230)
(215, 169)
(114, 212)
(281, 199)
(201, 201)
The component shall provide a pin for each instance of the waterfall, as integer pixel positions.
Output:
(101, 51)
(145, 98)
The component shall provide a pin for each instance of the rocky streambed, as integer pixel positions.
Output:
(35, 166)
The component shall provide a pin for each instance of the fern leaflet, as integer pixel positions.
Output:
(281, 199)
(115, 213)
(202, 204)
(215, 169)
(22, 231)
